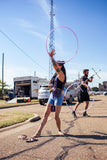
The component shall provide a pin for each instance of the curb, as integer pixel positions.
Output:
(33, 119)
(5, 107)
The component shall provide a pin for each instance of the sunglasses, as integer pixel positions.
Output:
(61, 63)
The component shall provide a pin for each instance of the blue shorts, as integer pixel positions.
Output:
(56, 101)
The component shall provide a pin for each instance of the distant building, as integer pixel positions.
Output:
(28, 86)
(103, 87)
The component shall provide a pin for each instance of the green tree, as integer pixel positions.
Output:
(95, 89)
(4, 84)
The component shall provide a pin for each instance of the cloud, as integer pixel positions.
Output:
(103, 76)
(72, 74)
(24, 23)
(12, 72)
(40, 35)
(46, 7)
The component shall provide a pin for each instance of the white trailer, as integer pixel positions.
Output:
(28, 86)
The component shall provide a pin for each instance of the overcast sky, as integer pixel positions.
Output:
(25, 24)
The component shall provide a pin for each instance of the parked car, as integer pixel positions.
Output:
(8, 96)
(44, 93)
(105, 93)
(69, 95)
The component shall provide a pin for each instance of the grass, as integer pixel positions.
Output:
(4, 104)
(8, 119)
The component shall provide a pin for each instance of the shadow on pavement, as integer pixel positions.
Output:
(75, 143)
(96, 100)
(98, 117)
(28, 149)
(99, 137)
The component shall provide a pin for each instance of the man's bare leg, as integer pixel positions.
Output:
(86, 107)
(76, 106)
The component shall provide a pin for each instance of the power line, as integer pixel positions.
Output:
(17, 46)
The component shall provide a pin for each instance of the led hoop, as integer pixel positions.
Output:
(77, 83)
(74, 35)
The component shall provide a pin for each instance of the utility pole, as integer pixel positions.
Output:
(34, 73)
(78, 75)
(2, 75)
(52, 41)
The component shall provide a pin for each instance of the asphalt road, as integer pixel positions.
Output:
(84, 139)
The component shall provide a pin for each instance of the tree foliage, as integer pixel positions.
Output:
(4, 87)
(4, 84)
(95, 89)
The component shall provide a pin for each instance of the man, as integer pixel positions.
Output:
(83, 92)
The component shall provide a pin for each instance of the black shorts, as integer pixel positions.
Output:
(83, 96)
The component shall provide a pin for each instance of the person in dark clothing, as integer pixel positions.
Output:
(56, 96)
(83, 92)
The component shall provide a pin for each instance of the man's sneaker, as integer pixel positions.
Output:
(85, 114)
(74, 114)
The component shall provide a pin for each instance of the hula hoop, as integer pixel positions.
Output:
(76, 83)
(73, 34)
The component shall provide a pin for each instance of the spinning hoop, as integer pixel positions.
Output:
(73, 34)
(77, 83)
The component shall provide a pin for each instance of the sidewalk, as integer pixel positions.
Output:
(10, 105)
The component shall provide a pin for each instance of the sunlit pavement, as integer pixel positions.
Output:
(85, 137)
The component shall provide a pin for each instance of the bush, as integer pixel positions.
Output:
(95, 89)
